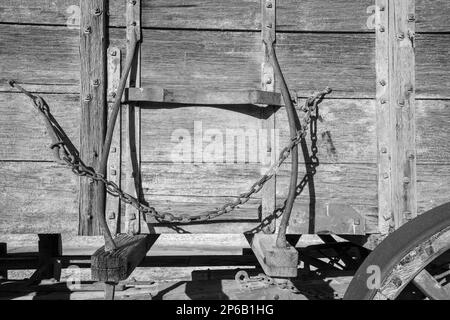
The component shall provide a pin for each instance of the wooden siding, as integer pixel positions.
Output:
(213, 45)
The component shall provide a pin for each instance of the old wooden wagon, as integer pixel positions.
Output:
(215, 117)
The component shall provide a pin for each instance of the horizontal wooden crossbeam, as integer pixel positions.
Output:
(184, 96)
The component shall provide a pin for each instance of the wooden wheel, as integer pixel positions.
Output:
(411, 263)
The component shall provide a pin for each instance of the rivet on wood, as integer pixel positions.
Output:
(409, 88)
(406, 180)
(113, 149)
(382, 8)
(112, 215)
(386, 175)
(113, 172)
(401, 103)
(269, 80)
(383, 82)
(96, 83)
(382, 29)
(97, 12)
(411, 155)
(269, 25)
(356, 222)
(113, 94)
(269, 5)
(113, 53)
(411, 17)
(133, 216)
(384, 150)
(133, 2)
(88, 98)
(88, 30)
(133, 24)
(383, 101)
(400, 36)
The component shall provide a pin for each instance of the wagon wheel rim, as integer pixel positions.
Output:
(412, 269)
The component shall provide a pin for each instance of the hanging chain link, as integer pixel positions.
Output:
(66, 155)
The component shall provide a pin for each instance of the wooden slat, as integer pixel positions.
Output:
(132, 127)
(221, 60)
(112, 210)
(346, 135)
(93, 108)
(243, 97)
(401, 104)
(308, 15)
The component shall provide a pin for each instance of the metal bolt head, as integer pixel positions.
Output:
(401, 103)
(383, 101)
(113, 53)
(88, 97)
(87, 30)
(411, 156)
(382, 29)
(112, 215)
(113, 149)
(356, 222)
(269, 80)
(96, 83)
(269, 25)
(269, 5)
(133, 24)
(382, 8)
(386, 175)
(409, 88)
(113, 172)
(113, 94)
(384, 150)
(97, 12)
(411, 17)
(133, 216)
(133, 2)
(383, 82)
(400, 36)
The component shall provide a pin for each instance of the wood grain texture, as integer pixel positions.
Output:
(308, 15)
(93, 109)
(221, 60)
(346, 135)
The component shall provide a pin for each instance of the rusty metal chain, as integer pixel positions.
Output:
(70, 158)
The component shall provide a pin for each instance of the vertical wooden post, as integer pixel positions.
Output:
(50, 247)
(114, 164)
(3, 253)
(396, 113)
(93, 108)
(132, 151)
(268, 23)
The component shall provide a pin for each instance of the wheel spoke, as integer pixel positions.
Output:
(430, 287)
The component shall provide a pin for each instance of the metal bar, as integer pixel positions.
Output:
(109, 242)
(293, 120)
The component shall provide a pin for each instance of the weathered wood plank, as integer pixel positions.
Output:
(241, 97)
(346, 134)
(308, 15)
(401, 103)
(119, 264)
(93, 109)
(221, 60)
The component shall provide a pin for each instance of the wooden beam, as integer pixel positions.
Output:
(119, 264)
(93, 107)
(395, 65)
(132, 125)
(50, 247)
(3, 253)
(112, 211)
(276, 262)
(195, 97)
(268, 193)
